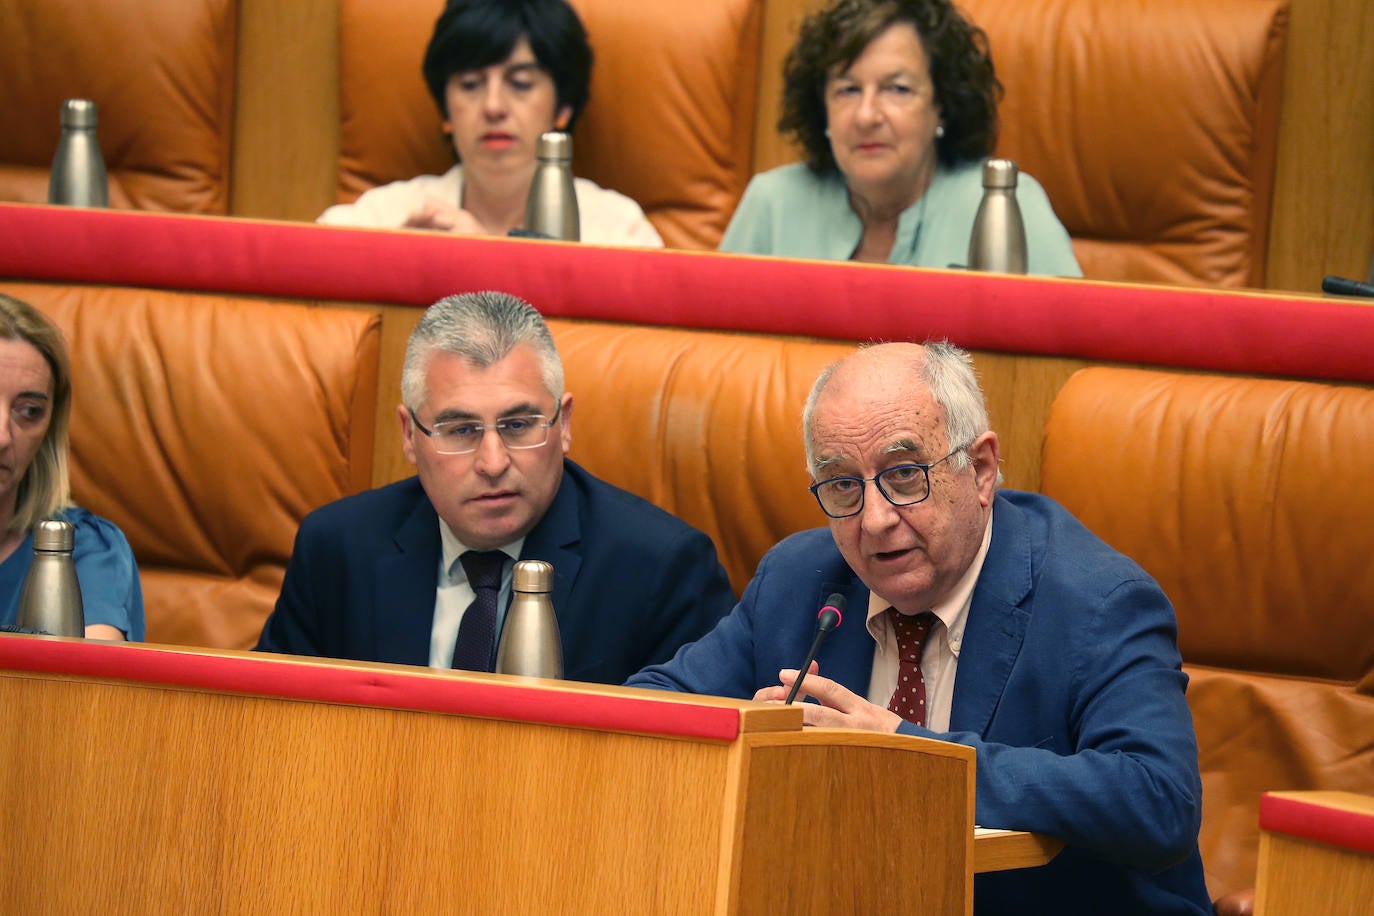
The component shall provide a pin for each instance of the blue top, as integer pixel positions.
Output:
(105, 570)
(792, 212)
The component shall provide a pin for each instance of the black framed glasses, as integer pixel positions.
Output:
(901, 485)
(459, 437)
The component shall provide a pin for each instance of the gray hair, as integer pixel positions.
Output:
(948, 372)
(481, 328)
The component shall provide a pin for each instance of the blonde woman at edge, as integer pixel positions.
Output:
(36, 395)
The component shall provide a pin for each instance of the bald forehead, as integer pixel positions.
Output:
(878, 369)
(875, 404)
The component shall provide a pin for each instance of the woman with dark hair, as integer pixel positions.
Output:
(895, 104)
(36, 396)
(502, 72)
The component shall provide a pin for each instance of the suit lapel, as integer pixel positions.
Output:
(403, 614)
(997, 622)
(557, 539)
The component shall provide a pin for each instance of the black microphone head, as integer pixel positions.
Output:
(1340, 286)
(832, 612)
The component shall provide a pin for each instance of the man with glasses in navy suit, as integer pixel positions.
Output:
(397, 574)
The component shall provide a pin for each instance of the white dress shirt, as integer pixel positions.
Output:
(939, 656)
(453, 595)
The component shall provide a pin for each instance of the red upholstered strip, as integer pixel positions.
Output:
(1305, 337)
(1311, 821)
(325, 683)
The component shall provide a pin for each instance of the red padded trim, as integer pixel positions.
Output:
(1312, 821)
(1304, 337)
(321, 682)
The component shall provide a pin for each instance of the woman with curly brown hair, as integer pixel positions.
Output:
(895, 104)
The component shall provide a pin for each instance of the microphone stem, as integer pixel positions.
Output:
(806, 665)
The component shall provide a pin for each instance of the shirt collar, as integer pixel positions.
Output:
(952, 612)
(451, 549)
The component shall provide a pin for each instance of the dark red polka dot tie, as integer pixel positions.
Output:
(909, 699)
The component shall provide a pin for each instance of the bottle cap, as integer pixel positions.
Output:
(533, 576)
(999, 173)
(554, 144)
(78, 113)
(53, 534)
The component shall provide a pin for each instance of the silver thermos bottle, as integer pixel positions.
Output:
(78, 170)
(998, 242)
(529, 639)
(50, 601)
(552, 205)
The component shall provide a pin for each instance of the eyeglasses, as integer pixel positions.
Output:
(901, 485)
(459, 437)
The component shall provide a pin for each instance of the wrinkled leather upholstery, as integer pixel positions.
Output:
(1249, 500)
(206, 428)
(1153, 127)
(670, 121)
(162, 78)
(705, 424)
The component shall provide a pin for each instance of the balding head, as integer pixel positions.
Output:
(904, 466)
(939, 368)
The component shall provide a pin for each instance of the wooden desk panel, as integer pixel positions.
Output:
(135, 796)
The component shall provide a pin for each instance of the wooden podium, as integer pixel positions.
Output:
(167, 780)
(1316, 854)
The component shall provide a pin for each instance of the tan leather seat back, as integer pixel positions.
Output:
(665, 405)
(1250, 502)
(1153, 127)
(206, 428)
(162, 78)
(669, 123)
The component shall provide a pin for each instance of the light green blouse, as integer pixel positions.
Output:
(792, 212)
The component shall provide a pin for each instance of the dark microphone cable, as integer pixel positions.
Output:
(831, 613)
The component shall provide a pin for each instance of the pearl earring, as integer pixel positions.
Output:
(939, 131)
(827, 131)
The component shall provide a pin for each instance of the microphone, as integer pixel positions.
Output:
(831, 613)
(519, 232)
(1340, 286)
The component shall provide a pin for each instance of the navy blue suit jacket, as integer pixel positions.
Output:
(1069, 687)
(631, 582)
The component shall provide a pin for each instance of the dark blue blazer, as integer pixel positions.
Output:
(1069, 687)
(631, 582)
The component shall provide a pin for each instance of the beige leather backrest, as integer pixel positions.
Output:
(161, 73)
(1152, 125)
(705, 424)
(206, 428)
(1250, 501)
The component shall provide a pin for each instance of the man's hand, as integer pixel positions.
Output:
(839, 707)
(442, 216)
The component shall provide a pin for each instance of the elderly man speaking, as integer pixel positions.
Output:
(992, 619)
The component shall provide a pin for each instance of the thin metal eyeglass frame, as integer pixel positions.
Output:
(494, 427)
(877, 482)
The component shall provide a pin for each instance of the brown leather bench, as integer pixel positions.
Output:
(280, 110)
(207, 427)
(1250, 501)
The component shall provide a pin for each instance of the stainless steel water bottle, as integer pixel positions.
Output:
(50, 601)
(551, 208)
(78, 170)
(998, 242)
(529, 639)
